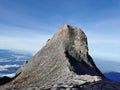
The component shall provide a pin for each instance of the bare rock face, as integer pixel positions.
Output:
(62, 64)
(66, 53)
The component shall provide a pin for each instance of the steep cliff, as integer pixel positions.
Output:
(63, 63)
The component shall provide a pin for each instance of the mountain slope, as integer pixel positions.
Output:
(63, 63)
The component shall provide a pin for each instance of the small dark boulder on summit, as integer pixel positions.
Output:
(63, 63)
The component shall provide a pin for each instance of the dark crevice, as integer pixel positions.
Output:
(80, 67)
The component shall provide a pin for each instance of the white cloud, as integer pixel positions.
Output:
(5, 67)
(31, 44)
(104, 47)
(104, 39)
(18, 38)
(8, 75)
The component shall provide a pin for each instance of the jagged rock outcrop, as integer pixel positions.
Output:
(63, 63)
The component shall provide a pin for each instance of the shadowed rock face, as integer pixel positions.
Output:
(63, 63)
(66, 52)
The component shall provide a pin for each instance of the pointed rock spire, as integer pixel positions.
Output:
(64, 58)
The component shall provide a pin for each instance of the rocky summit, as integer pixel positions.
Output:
(62, 64)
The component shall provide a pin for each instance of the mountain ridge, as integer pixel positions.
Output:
(63, 63)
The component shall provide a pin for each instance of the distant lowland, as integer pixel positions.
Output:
(10, 61)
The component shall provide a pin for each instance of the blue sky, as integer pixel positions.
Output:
(27, 24)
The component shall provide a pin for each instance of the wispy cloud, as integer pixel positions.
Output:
(8, 75)
(108, 40)
(103, 38)
(18, 38)
(31, 44)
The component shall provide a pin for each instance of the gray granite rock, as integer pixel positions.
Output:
(62, 64)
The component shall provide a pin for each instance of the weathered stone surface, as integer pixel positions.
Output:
(62, 64)
(102, 85)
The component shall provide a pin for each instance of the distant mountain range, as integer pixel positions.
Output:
(115, 76)
(110, 69)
